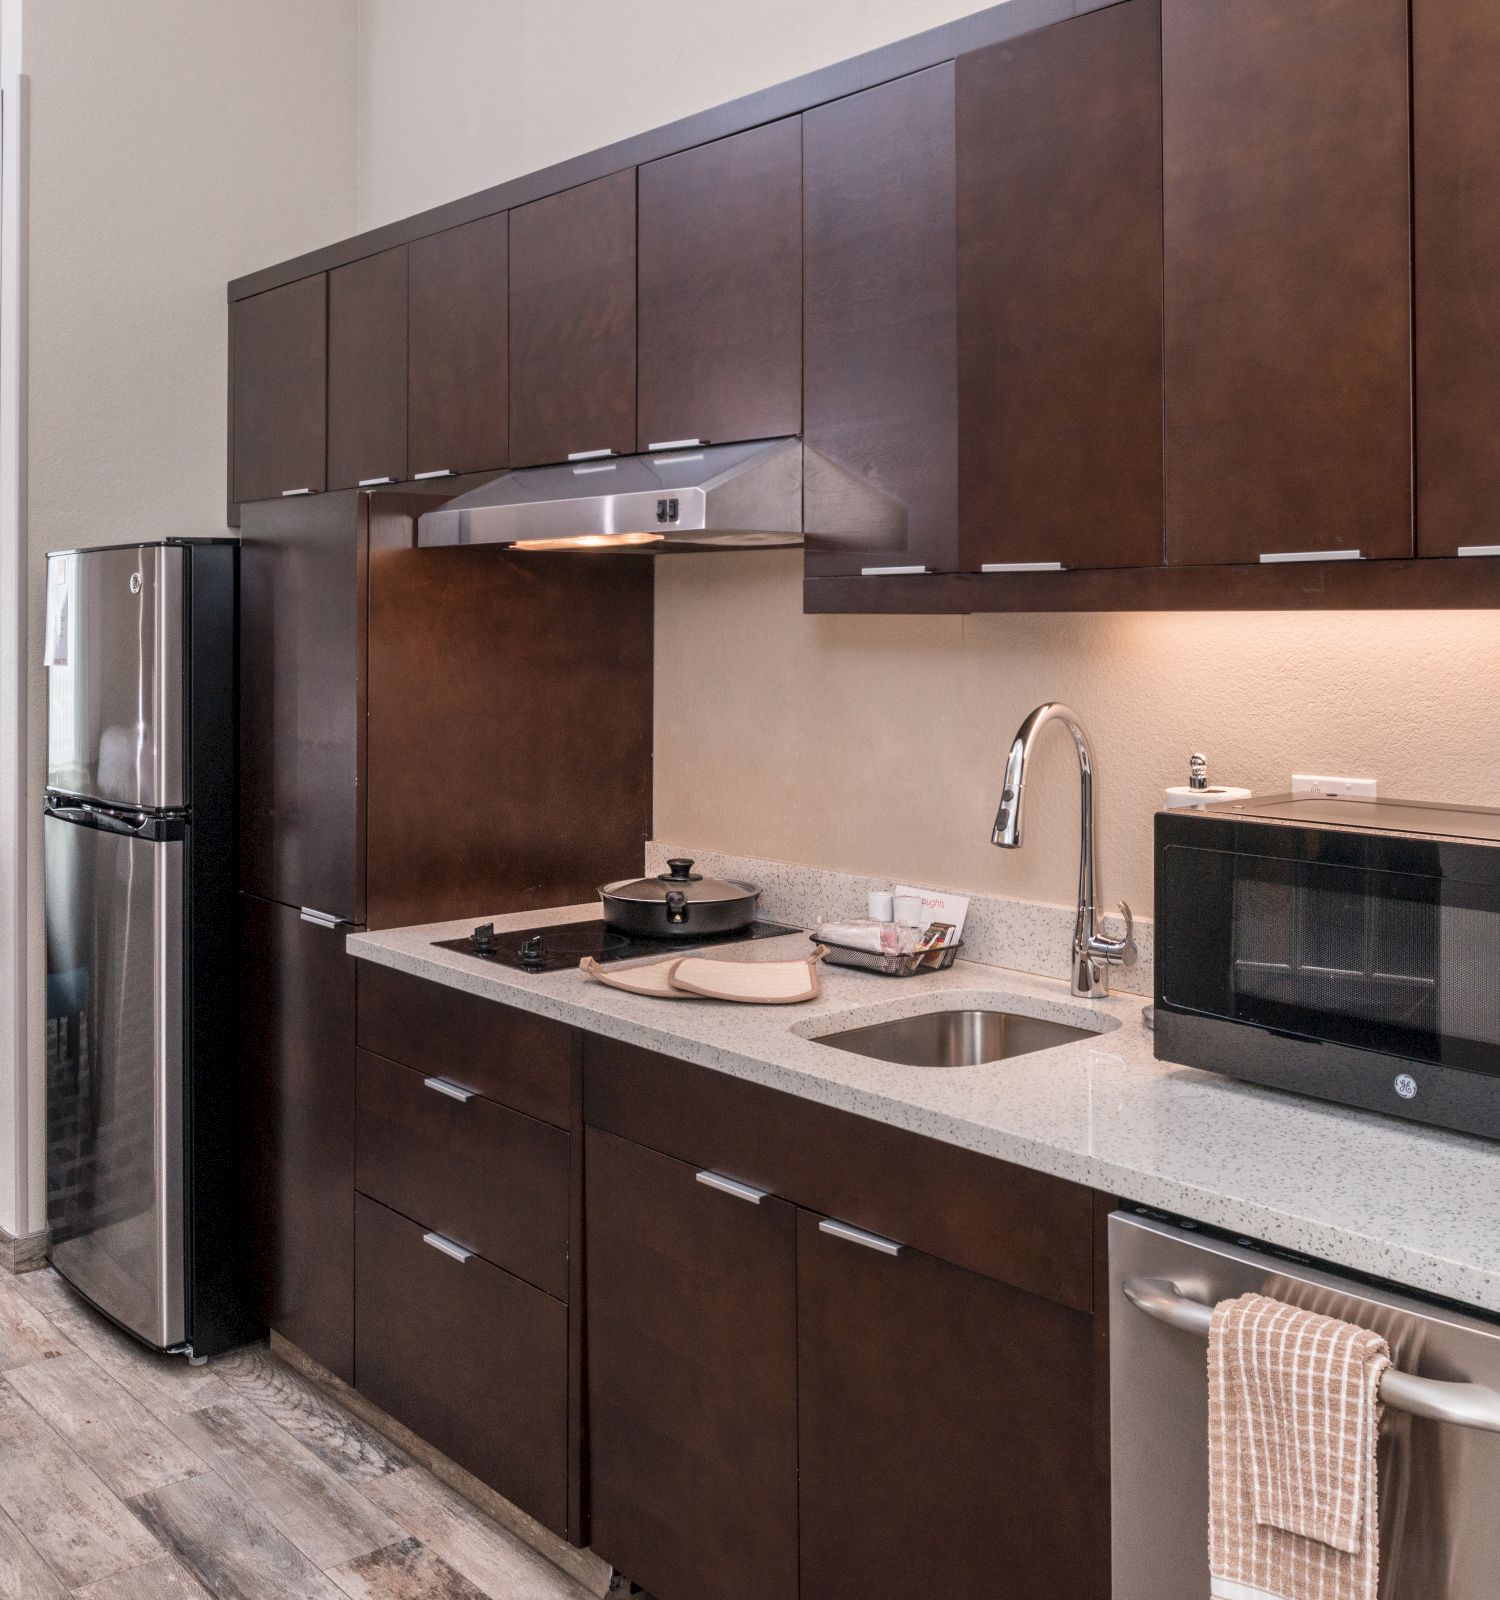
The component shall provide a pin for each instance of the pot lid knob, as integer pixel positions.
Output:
(680, 870)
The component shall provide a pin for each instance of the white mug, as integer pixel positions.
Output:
(880, 905)
(908, 909)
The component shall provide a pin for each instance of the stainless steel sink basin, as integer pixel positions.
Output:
(954, 1038)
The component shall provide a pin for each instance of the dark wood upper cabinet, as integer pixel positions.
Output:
(880, 400)
(367, 370)
(572, 322)
(1456, 162)
(720, 306)
(280, 389)
(458, 390)
(1060, 294)
(297, 1072)
(1288, 278)
(692, 1381)
(947, 1428)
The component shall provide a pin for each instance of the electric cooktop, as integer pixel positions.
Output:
(564, 944)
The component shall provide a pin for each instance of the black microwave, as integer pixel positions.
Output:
(1346, 949)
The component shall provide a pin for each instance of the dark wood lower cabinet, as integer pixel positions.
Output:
(691, 1378)
(297, 1069)
(945, 1426)
(467, 1356)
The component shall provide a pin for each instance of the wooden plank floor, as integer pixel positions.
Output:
(126, 1475)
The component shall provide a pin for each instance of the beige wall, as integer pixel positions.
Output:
(455, 95)
(174, 144)
(876, 744)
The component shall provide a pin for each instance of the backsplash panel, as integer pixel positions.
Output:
(1019, 934)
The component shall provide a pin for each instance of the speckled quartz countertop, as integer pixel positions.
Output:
(1385, 1197)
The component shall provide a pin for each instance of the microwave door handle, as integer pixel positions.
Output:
(1467, 1405)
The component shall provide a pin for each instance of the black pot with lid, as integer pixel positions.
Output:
(679, 904)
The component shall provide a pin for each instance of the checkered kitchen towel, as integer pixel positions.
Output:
(1293, 1416)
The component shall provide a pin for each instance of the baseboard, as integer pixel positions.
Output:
(583, 1566)
(23, 1254)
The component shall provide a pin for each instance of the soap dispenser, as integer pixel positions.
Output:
(1198, 791)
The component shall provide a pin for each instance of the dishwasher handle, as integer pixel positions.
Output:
(1469, 1405)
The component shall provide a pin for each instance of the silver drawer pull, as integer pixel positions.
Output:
(319, 919)
(1271, 556)
(676, 444)
(1022, 566)
(740, 1191)
(447, 1246)
(1479, 549)
(1470, 1405)
(286, 494)
(847, 1231)
(373, 483)
(588, 455)
(436, 472)
(891, 572)
(454, 1091)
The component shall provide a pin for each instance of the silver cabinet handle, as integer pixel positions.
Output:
(732, 1186)
(447, 1246)
(454, 1091)
(319, 919)
(437, 472)
(847, 1231)
(1470, 1405)
(1022, 566)
(1479, 550)
(676, 444)
(1272, 556)
(891, 572)
(588, 455)
(373, 483)
(286, 494)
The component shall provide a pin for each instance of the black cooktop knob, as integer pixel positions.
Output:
(483, 939)
(534, 952)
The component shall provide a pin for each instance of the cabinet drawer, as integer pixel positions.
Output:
(522, 1061)
(468, 1357)
(1024, 1228)
(484, 1176)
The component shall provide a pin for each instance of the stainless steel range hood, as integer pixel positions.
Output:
(704, 497)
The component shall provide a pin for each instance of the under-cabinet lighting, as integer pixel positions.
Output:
(588, 541)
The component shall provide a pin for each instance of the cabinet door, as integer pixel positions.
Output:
(691, 1340)
(280, 389)
(572, 322)
(1456, 160)
(367, 371)
(297, 1067)
(1059, 294)
(880, 400)
(946, 1432)
(721, 290)
(458, 400)
(470, 1358)
(302, 663)
(1288, 278)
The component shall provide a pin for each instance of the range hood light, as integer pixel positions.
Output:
(588, 541)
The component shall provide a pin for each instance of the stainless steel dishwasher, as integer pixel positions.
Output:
(1439, 1442)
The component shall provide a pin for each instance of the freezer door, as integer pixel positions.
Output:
(115, 654)
(1439, 1532)
(115, 1149)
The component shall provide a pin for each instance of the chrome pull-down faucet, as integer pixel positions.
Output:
(1093, 954)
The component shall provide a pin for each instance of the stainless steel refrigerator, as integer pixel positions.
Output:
(143, 1172)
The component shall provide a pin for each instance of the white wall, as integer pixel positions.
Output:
(174, 145)
(455, 95)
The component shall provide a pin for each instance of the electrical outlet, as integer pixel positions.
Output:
(1304, 785)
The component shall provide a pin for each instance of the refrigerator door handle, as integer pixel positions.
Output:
(134, 823)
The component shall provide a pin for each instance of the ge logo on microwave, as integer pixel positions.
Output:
(1406, 1086)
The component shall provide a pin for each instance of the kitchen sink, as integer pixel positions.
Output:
(967, 1038)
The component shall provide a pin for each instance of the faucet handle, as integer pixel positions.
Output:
(1116, 952)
